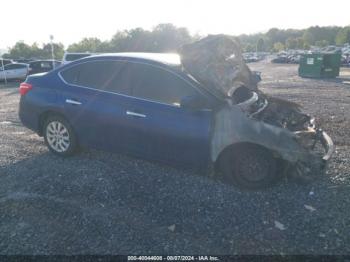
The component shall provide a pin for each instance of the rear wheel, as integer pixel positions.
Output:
(59, 136)
(249, 167)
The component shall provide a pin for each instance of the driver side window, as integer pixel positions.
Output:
(155, 84)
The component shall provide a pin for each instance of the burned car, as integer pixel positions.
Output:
(252, 128)
(203, 111)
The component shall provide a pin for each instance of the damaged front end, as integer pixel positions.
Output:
(315, 147)
(247, 115)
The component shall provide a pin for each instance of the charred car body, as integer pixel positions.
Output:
(205, 111)
(250, 121)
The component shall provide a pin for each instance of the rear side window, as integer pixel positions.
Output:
(101, 75)
(46, 65)
(156, 84)
(35, 65)
(5, 62)
(14, 66)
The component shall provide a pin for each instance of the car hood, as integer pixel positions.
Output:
(217, 63)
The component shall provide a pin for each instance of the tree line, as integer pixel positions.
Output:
(276, 39)
(168, 38)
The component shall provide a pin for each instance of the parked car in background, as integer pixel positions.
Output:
(5, 62)
(70, 57)
(42, 66)
(280, 60)
(345, 60)
(294, 59)
(26, 61)
(250, 57)
(14, 71)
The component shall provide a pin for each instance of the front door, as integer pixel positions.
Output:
(158, 127)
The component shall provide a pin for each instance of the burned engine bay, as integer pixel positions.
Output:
(250, 116)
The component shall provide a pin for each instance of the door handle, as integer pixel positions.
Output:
(73, 102)
(130, 113)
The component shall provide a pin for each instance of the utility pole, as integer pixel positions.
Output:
(52, 52)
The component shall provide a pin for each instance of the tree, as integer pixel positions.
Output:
(327, 33)
(163, 38)
(277, 47)
(309, 38)
(275, 35)
(249, 48)
(343, 36)
(260, 45)
(36, 51)
(322, 43)
(21, 50)
(91, 44)
(118, 42)
(58, 51)
(168, 38)
(139, 40)
(300, 43)
(291, 43)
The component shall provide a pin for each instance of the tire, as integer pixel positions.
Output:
(249, 167)
(63, 142)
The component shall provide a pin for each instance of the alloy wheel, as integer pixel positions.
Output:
(57, 136)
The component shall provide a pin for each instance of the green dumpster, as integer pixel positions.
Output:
(319, 65)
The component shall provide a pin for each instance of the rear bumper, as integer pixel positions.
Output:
(27, 116)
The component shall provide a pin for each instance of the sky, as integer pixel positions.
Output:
(71, 20)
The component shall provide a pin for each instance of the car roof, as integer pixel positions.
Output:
(24, 64)
(44, 60)
(164, 58)
(78, 53)
(170, 60)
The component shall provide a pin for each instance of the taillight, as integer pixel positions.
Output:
(24, 88)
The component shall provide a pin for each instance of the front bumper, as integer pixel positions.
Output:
(327, 144)
(314, 162)
(309, 139)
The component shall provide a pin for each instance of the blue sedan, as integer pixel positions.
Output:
(148, 106)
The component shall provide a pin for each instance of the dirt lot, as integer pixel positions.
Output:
(102, 203)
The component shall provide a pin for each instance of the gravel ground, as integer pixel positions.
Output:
(102, 203)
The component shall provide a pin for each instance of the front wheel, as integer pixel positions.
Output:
(249, 167)
(59, 136)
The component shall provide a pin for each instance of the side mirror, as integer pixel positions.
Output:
(193, 103)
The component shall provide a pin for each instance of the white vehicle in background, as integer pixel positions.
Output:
(4, 62)
(70, 57)
(14, 71)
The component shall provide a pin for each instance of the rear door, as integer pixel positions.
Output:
(21, 71)
(95, 102)
(158, 127)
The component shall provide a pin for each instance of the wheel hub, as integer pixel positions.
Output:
(57, 136)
